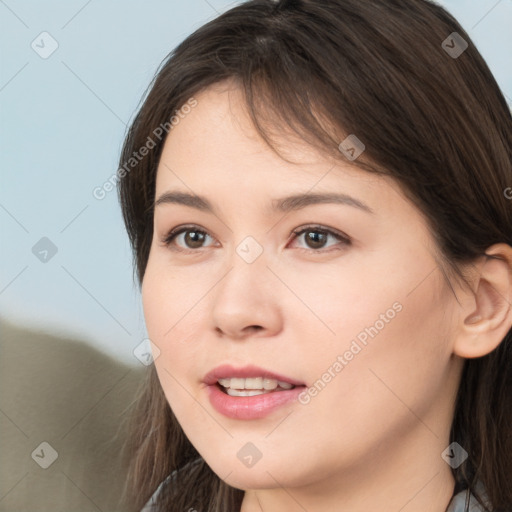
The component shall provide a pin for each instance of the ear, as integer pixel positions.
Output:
(486, 312)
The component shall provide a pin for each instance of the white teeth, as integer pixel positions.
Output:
(253, 383)
(269, 384)
(237, 384)
(246, 392)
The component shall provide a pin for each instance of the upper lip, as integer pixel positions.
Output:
(227, 371)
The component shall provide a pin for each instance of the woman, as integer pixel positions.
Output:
(316, 197)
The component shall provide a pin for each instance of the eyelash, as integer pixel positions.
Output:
(168, 239)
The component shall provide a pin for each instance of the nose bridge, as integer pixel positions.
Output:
(248, 275)
(244, 296)
(250, 250)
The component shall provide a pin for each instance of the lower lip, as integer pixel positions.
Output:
(250, 407)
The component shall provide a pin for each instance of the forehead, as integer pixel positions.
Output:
(217, 138)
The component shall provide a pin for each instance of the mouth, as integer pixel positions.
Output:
(252, 386)
(250, 392)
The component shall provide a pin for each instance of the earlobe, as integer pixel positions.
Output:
(487, 317)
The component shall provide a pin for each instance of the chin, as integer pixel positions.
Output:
(251, 479)
(264, 474)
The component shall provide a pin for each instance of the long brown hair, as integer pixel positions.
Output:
(430, 114)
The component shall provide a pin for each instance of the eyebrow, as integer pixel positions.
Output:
(284, 204)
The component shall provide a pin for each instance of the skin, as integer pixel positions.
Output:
(376, 432)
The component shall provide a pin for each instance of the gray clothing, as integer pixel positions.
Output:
(458, 502)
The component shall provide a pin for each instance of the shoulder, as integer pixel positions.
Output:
(150, 505)
(458, 502)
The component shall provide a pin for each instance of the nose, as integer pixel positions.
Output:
(245, 302)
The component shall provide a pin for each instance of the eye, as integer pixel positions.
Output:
(191, 241)
(193, 238)
(317, 236)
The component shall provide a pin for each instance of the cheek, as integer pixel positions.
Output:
(168, 316)
(391, 341)
(171, 300)
(394, 301)
(354, 302)
(389, 359)
(168, 326)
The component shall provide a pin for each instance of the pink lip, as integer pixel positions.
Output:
(248, 407)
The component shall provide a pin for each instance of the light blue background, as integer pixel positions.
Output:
(62, 124)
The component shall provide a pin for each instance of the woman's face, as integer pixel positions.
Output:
(353, 312)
